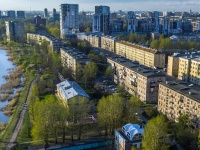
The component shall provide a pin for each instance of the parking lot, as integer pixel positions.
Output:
(106, 85)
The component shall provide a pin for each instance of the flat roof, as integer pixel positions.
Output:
(136, 67)
(150, 50)
(192, 54)
(76, 54)
(187, 89)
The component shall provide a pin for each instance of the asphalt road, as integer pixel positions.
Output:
(20, 121)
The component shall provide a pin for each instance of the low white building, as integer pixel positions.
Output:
(67, 90)
(129, 136)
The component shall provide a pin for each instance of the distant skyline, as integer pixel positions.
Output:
(115, 5)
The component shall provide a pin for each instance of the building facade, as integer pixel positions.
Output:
(145, 56)
(101, 19)
(129, 136)
(46, 15)
(69, 19)
(189, 69)
(39, 21)
(20, 14)
(131, 22)
(71, 58)
(173, 64)
(54, 43)
(108, 43)
(137, 79)
(15, 31)
(176, 98)
(195, 26)
(93, 40)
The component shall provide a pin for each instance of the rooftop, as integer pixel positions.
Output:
(187, 89)
(70, 89)
(150, 50)
(189, 55)
(50, 37)
(136, 67)
(110, 37)
(130, 130)
(76, 54)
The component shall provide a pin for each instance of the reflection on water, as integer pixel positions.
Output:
(5, 64)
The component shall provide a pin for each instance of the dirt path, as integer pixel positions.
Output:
(20, 121)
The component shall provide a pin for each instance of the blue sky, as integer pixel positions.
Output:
(134, 5)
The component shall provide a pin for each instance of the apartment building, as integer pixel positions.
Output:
(93, 40)
(177, 97)
(131, 21)
(101, 19)
(195, 71)
(69, 19)
(195, 26)
(71, 58)
(173, 63)
(189, 69)
(54, 43)
(137, 79)
(15, 31)
(108, 43)
(67, 90)
(20, 14)
(145, 56)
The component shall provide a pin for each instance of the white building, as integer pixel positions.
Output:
(129, 136)
(67, 90)
(69, 19)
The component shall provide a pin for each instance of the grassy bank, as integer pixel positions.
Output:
(7, 133)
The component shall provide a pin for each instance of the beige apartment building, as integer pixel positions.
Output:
(145, 56)
(189, 69)
(54, 43)
(195, 71)
(71, 58)
(93, 40)
(173, 63)
(184, 68)
(137, 79)
(108, 43)
(178, 97)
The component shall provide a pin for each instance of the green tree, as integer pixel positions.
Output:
(108, 72)
(132, 107)
(45, 119)
(110, 112)
(78, 110)
(155, 134)
(44, 46)
(90, 72)
(155, 44)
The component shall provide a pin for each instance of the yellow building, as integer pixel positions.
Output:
(93, 40)
(195, 71)
(145, 56)
(71, 58)
(173, 65)
(137, 79)
(108, 43)
(54, 43)
(184, 68)
(176, 98)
